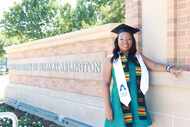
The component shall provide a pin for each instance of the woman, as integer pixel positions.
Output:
(125, 106)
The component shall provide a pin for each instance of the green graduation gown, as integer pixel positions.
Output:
(118, 120)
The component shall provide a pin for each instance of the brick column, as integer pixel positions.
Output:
(133, 17)
(178, 32)
(178, 28)
(172, 33)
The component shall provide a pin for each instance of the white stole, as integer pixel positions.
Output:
(122, 87)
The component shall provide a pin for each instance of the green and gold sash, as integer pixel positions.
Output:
(122, 77)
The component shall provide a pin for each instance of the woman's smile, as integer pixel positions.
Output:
(126, 45)
(124, 41)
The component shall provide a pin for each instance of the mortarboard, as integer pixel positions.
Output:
(125, 28)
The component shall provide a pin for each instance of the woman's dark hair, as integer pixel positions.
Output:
(116, 50)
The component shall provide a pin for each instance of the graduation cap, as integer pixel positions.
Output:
(125, 28)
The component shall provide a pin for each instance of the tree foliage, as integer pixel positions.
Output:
(2, 51)
(32, 19)
(36, 19)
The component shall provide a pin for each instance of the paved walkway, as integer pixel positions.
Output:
(4, 81)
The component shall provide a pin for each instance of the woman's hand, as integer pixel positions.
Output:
(176, 71)
(109, 113)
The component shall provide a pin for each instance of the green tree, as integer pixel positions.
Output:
(110, 11)
(36, 19)
(85, 14)
(97, 12)
(31, 19)
(2, 51)
(64, 19)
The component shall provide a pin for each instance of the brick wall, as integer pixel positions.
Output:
(133, 17)
(69, 89)
(178, 28)
(166, 98)
(178, 31)
(78, 44)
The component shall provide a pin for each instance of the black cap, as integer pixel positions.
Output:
(125, 28)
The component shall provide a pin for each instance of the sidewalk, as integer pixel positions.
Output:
(4, 81)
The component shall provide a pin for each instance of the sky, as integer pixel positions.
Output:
(5, 4)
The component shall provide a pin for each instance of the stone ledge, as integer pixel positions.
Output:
(48, 115)
(166, 79)
(95, 33)
(87, 109)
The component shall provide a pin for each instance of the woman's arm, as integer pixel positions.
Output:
(106, 87)
(153, 66)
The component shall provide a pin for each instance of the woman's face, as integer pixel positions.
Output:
(124, 41)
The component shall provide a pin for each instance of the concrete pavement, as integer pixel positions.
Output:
(4, 81)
